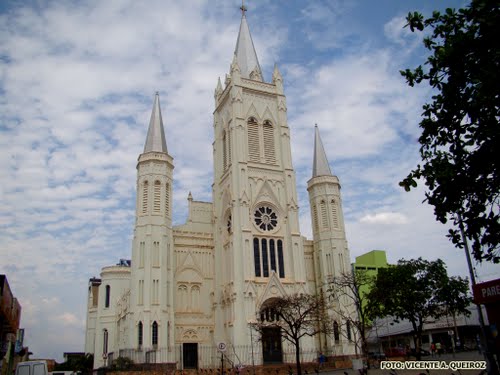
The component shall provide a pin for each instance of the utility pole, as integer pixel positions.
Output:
(490, 360)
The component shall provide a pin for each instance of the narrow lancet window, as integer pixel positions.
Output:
(281, 261)
(108, 296)
(139, 334)
(157, 197)
(269, 151)
(324, 217)
(256, 255)
(253, 140)
(167, 199)
(145, 188)
(154, 334)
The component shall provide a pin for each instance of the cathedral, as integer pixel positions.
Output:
(193, 291)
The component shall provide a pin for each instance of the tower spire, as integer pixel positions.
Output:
(155, 140)
(320, 162)
(245, 50)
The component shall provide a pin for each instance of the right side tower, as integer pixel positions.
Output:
(331, 254)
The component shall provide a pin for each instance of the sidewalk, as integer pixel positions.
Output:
(449, 357)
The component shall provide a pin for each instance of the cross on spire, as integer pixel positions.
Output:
(243, 8)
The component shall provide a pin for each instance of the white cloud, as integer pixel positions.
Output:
(76, 88)
(385, 218)
(396, 32)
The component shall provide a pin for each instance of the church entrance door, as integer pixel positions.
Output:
(271, 345)
(190, 355)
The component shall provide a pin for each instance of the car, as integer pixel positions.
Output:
(395, 352)
(379, 356)
(423, 352)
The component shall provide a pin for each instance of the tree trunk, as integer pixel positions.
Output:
(297, 357)
(418, 345)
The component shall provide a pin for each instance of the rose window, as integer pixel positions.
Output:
(265, 218)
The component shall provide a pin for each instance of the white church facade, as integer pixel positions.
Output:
(192, 286)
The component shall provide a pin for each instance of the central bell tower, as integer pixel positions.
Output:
(258, 245)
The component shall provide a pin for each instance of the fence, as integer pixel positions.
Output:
(209, 357)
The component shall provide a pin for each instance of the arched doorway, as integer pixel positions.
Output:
(271, 337)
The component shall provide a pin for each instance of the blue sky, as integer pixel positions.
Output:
(77, 81)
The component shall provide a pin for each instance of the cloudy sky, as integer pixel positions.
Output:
(77, 81)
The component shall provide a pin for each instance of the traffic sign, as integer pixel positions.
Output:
(221, 346)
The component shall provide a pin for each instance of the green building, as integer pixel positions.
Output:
(370, 263)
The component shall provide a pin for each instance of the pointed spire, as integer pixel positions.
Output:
(277, 74)
(278, 79)
(320, 162)
(245, 51)
(234, 65)
(218, 89)
(155, 140)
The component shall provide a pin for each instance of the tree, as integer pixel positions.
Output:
(455, 298)
(83, 364)
(414, 290)
(349, 291)
(296, 316)
(460, 127)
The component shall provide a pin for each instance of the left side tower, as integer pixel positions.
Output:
(151, 298)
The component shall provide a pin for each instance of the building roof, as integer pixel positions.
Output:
(155, 141)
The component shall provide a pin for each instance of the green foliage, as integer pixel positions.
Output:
(83, 364)
(122, 363)
(460, 138)
(418, 290)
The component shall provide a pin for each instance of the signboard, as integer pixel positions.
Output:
(221, 346)
(19, 340)
(487, 292)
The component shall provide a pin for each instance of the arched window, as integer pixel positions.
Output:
(315, 218)
(228, 141)
(335, 217)
(253, 140)
(145, 188)
(157, 197)
(195, 298)
(154, 334)
(272, 253)
(256, 256)
(167, 199)
(224, 151)
(269, 151)
(139, 334)
(140, 295)
(142, 246)
(281, 262)
(105, 341)
(348, 330)
(336, 332)
(108, 296)
(324, 216)
(155, 292)
(182, 295)
(265, 262)
(156, 254)
(269, 314)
